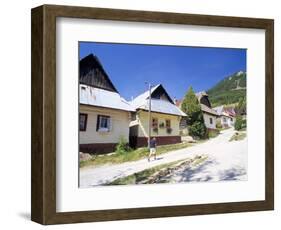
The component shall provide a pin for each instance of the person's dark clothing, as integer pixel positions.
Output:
(152, 143)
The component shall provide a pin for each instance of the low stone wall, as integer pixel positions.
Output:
(97, 148)
(135, 142)
(160, 140)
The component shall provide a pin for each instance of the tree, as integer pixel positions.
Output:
(241, 106)
(240, 123)
(195, 120)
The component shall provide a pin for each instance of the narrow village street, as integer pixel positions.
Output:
(226, 161)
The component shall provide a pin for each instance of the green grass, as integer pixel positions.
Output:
(198, 161)
(213, 134)
(238, 136)
(223, 128)
(143, 175)
(133, 155)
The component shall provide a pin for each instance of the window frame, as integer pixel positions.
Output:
(152, 123)
(99, 122)
(169, 122)
(85, 122)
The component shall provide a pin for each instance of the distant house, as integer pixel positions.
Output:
(226, 116)
(165, 118)
(209, 114)
(104, 116)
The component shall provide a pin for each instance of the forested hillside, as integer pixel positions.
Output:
(229, 90)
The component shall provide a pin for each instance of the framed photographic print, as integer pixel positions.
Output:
(141, 114)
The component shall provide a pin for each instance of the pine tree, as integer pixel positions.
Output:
(195, 120)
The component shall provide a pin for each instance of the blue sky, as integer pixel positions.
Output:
(175, 67)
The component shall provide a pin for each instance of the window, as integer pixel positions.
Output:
(224, 119)
(231, 119)
(154, 123)
(168, 126)
(211, 120)
(83, 121)
(168, 123)
(103, 123)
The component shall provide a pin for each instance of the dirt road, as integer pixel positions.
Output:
(226, 161)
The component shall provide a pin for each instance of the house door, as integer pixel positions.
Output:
(133, 136)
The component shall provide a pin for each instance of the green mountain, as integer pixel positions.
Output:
(229, 90)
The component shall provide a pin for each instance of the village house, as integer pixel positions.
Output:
(165, 118)
(104, 116)
(226, 116)
(209, 114)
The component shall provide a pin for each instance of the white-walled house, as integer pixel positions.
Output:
(165, 118)
(104, 116)
(209, 114)
(226, 116)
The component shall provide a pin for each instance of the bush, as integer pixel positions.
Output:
(244, 124)
(240, 123)
(218, 124)
(213, 133)
(122, 146)
(197, 129)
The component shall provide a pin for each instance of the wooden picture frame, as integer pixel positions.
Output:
(43, 207)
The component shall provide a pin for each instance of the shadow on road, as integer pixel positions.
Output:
(203, 173)
(232, 174)
(190, 174)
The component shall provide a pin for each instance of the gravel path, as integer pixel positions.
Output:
(226, 161)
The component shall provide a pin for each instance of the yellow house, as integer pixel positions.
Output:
(104, 116)
(165, 118)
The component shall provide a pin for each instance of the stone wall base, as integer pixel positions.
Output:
(136, 142)
(97, 148)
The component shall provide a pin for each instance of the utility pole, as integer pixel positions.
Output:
(149, 113)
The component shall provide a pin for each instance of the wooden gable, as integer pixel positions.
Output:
(92, 73)
(161, 93)
(205, 101)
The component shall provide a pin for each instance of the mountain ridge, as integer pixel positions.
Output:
(229, 90)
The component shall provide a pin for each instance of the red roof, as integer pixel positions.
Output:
(230, 111)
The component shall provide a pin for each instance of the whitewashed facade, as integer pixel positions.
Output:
(104, 116)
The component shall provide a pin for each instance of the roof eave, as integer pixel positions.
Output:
(178, 115)
(106, 107)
